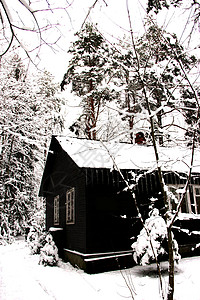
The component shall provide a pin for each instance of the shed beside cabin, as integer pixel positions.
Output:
(88, 210)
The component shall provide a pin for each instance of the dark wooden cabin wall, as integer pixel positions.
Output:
(64, 176)
(148, 187)
(107, 203)
(106, 217)
(109, 211)
(76, 233)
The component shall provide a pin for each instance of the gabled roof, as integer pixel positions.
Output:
(97, 154)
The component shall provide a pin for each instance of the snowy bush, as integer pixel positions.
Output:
(49, 253)
(36, 240)
(32, 240)
(153, 235)
(43, 244)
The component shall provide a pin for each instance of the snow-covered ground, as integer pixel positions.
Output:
(22, 278)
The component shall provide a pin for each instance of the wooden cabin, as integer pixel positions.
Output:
(89, 211)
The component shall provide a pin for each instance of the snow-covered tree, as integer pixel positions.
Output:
(158, 5)
(89, 73)
(161, 86)
(129, 101)
(29, 113)
(162, 64)
(49, 253)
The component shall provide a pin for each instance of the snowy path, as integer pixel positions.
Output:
(21, 278)
(16, 275)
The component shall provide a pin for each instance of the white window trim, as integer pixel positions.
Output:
(194, 195)
(70, 208)
(56, 214)
(181, 186)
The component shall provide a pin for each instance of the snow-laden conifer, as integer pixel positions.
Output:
(28, 116)
(90, 72)
(49, 253)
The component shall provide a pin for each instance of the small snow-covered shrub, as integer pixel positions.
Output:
(154, 235)
(49, 253)
(32, 240)
(43, 244)
(36, 240)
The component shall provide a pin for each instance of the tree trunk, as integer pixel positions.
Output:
(91, 120)
(170, 295)
(130, 111)
(131, 119)
(159, 117)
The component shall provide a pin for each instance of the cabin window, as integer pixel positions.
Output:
(70, 206)
(196, 193)
(56, 210)
(176, 193)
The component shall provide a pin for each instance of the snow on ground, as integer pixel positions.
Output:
(22, 278)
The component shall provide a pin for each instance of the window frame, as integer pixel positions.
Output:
(56, 211)
(70, 206)
(194, 187)
(188, 200)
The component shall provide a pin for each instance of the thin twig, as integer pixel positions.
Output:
(89, 11)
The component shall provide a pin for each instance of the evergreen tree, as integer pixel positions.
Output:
(158, 5)
(126, 81)
(89, 73)
(27, 118)
(191, 106)
(165, 78)
(49, 253)
(161, 60)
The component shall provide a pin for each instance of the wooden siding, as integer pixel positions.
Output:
(107, 205)
(105, 214)
(62, 175)
(148, 186)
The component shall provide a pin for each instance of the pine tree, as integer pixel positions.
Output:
(89, 73)
(164, 78)
(126, 82)
(160, 59)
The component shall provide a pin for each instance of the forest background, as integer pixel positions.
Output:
(129, 69)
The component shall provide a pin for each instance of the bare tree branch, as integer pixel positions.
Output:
(12, 27)
(89, 11)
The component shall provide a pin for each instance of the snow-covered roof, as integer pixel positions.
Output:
(97, 154)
